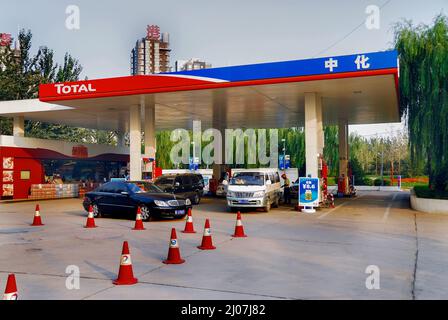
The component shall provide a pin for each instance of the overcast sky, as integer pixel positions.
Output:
(229, 32)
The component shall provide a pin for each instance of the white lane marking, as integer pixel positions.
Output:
(386, 213)
(339, 206)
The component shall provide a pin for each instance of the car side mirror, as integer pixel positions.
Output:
(268, 182)
(177, 184)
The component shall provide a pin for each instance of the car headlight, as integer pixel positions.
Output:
(258, 194)
(187, 202)
(161, 203)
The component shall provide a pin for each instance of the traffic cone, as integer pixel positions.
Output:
(37, 221)
(138, 221)
(173, 251)
(207, 243)
(189, 224)
(239, 230)
(125, 274)
(90, 220)
(11, 288)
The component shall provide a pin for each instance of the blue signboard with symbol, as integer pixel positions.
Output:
(284, 162)
(193, 164)
(309, 192)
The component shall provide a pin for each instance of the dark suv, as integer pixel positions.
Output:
(188, 185)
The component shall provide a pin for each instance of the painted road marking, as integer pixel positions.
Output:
(339, 206)
(386, 213)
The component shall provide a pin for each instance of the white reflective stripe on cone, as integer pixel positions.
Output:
(37, 214)
(207, 232)
(90, 214)
(125, 259)
(190, 219)
(139, 216)
(10, 296)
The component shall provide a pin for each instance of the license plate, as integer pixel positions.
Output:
(243, 201)
(179, 212)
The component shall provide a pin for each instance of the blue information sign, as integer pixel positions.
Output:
(284, 162)
(193, 165)
(309, 192)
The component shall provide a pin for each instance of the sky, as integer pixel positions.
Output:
(230, 32)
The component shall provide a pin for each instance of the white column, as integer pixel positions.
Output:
(135, 142)
(219, 122)
(313, 132)
(19, 126)
(150, 130)
(343, 147)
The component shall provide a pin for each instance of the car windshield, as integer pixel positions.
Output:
(247, 178)
(164, 180)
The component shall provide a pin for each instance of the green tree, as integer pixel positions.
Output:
(20, 76)
(423, 54)
(331, 149)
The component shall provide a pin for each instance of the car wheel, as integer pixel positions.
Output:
(146, 214)
(196, 199)
(96, 211)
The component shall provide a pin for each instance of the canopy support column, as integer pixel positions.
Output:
(343, 147)
(150, 130)
(19, 126)
(135, 142)
(219, 122)
(313, 133)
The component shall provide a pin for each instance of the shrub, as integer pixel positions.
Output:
(377, 182)
(368, 182)
(425, 192)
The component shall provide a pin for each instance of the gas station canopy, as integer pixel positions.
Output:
(360, 88)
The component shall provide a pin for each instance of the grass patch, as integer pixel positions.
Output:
(425, 192)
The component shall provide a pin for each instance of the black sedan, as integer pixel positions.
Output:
(124, 197)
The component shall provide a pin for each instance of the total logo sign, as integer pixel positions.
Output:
(74, 88)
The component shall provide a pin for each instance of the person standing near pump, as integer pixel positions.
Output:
(286, 189)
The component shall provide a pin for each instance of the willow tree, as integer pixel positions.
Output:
(423, 54)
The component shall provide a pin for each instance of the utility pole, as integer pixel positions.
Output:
(382, 162)
(284, 155)
(194, 159)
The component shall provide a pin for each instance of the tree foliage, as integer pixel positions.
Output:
(20, 76)
(423, 54)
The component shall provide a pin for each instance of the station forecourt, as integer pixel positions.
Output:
(340, 90)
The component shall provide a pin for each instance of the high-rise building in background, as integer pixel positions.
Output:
(191, 64)
(151, 54)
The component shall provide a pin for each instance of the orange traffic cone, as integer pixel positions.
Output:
(173, 251)
(138, 221)
(37, 221)
(239, 230)
(11, 288)
(189, 224)
(207, 243)
(90, 220)
(125, 274)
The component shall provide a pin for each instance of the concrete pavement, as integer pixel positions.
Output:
(288, 255)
